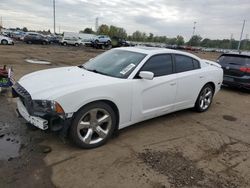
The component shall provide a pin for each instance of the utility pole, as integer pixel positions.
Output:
(231, 41)
(1, 22)
(194, 28)
(96, 24)
(54, 14)
(241, 35)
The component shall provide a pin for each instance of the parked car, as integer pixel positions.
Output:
(102, 39)
(35, 38)
(116, 89)
(236, 69)
(71, 41)
(54, 39)
(4, 40)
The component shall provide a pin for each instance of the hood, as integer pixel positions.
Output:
(47, 83)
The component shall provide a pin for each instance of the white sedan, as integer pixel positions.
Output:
(5, 40)
(116, 89)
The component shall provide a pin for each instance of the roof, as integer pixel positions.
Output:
(155, 50)
(237, 54)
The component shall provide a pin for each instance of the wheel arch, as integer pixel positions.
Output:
(108, 102)
(212, 84)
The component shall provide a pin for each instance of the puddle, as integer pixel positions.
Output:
(9, 143)
(229, 118)
(34, 61)
(9, 146)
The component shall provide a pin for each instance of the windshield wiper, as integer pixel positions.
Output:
(96, 71)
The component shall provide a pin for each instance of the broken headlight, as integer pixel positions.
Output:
(47, 106)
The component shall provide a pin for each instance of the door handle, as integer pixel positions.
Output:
(173, 83)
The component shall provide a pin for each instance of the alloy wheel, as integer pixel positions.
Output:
(205, 98)
(94, 126)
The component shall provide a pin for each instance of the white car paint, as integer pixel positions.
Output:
(136, 99)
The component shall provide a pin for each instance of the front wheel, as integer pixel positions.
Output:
(4, 42)
(205, 98)
(93, 125)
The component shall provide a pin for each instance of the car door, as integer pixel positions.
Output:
(154, 97)
(190, 80)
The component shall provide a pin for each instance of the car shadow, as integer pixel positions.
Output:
(241, 91)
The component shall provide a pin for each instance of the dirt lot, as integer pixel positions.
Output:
(183, 149)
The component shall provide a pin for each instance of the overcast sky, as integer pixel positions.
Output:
(215, 18)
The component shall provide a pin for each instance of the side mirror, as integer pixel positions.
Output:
(146, 75)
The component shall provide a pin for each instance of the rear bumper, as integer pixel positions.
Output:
(237, 82)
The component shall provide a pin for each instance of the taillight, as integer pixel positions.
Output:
(245, 69)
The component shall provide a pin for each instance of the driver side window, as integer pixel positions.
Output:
(160, 65)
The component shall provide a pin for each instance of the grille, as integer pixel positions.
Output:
(23, 94)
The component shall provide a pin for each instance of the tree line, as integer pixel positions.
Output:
(195, 40)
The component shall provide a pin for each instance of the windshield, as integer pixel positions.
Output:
(115, 63)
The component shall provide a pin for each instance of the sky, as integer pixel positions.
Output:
(215, 19)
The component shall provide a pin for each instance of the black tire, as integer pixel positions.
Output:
(76, 44)
(96, 41)
(44, 42)
(4, 42)
(197, 107)
(29, 42)
(78, 117)
(108, 42)
(64, 43)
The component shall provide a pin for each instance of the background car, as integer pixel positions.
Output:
(102, 39)
(116, 89)
(71, 41)
(4, 40)
(53, 39)
(236, 69)
(35, 38)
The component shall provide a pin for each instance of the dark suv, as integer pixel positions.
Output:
(35, 38)
(236, 69)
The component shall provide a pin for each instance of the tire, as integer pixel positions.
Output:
(64, 43)
(29, 42)
(4, 42)
(98, 122)
(76, 44)
(44, 42)
(96, 41)
(204, 99)
(108, 42)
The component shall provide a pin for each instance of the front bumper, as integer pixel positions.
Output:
(36, 121)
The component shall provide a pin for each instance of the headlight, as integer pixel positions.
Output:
(47, 106)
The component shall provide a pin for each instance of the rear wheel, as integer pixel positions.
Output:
(205, 98)
(4, 42)
(93, 125)
(76, 44)
(65, 44)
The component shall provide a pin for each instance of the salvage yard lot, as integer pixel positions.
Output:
(183, 149)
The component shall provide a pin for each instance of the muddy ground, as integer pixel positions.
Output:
(183, 149)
